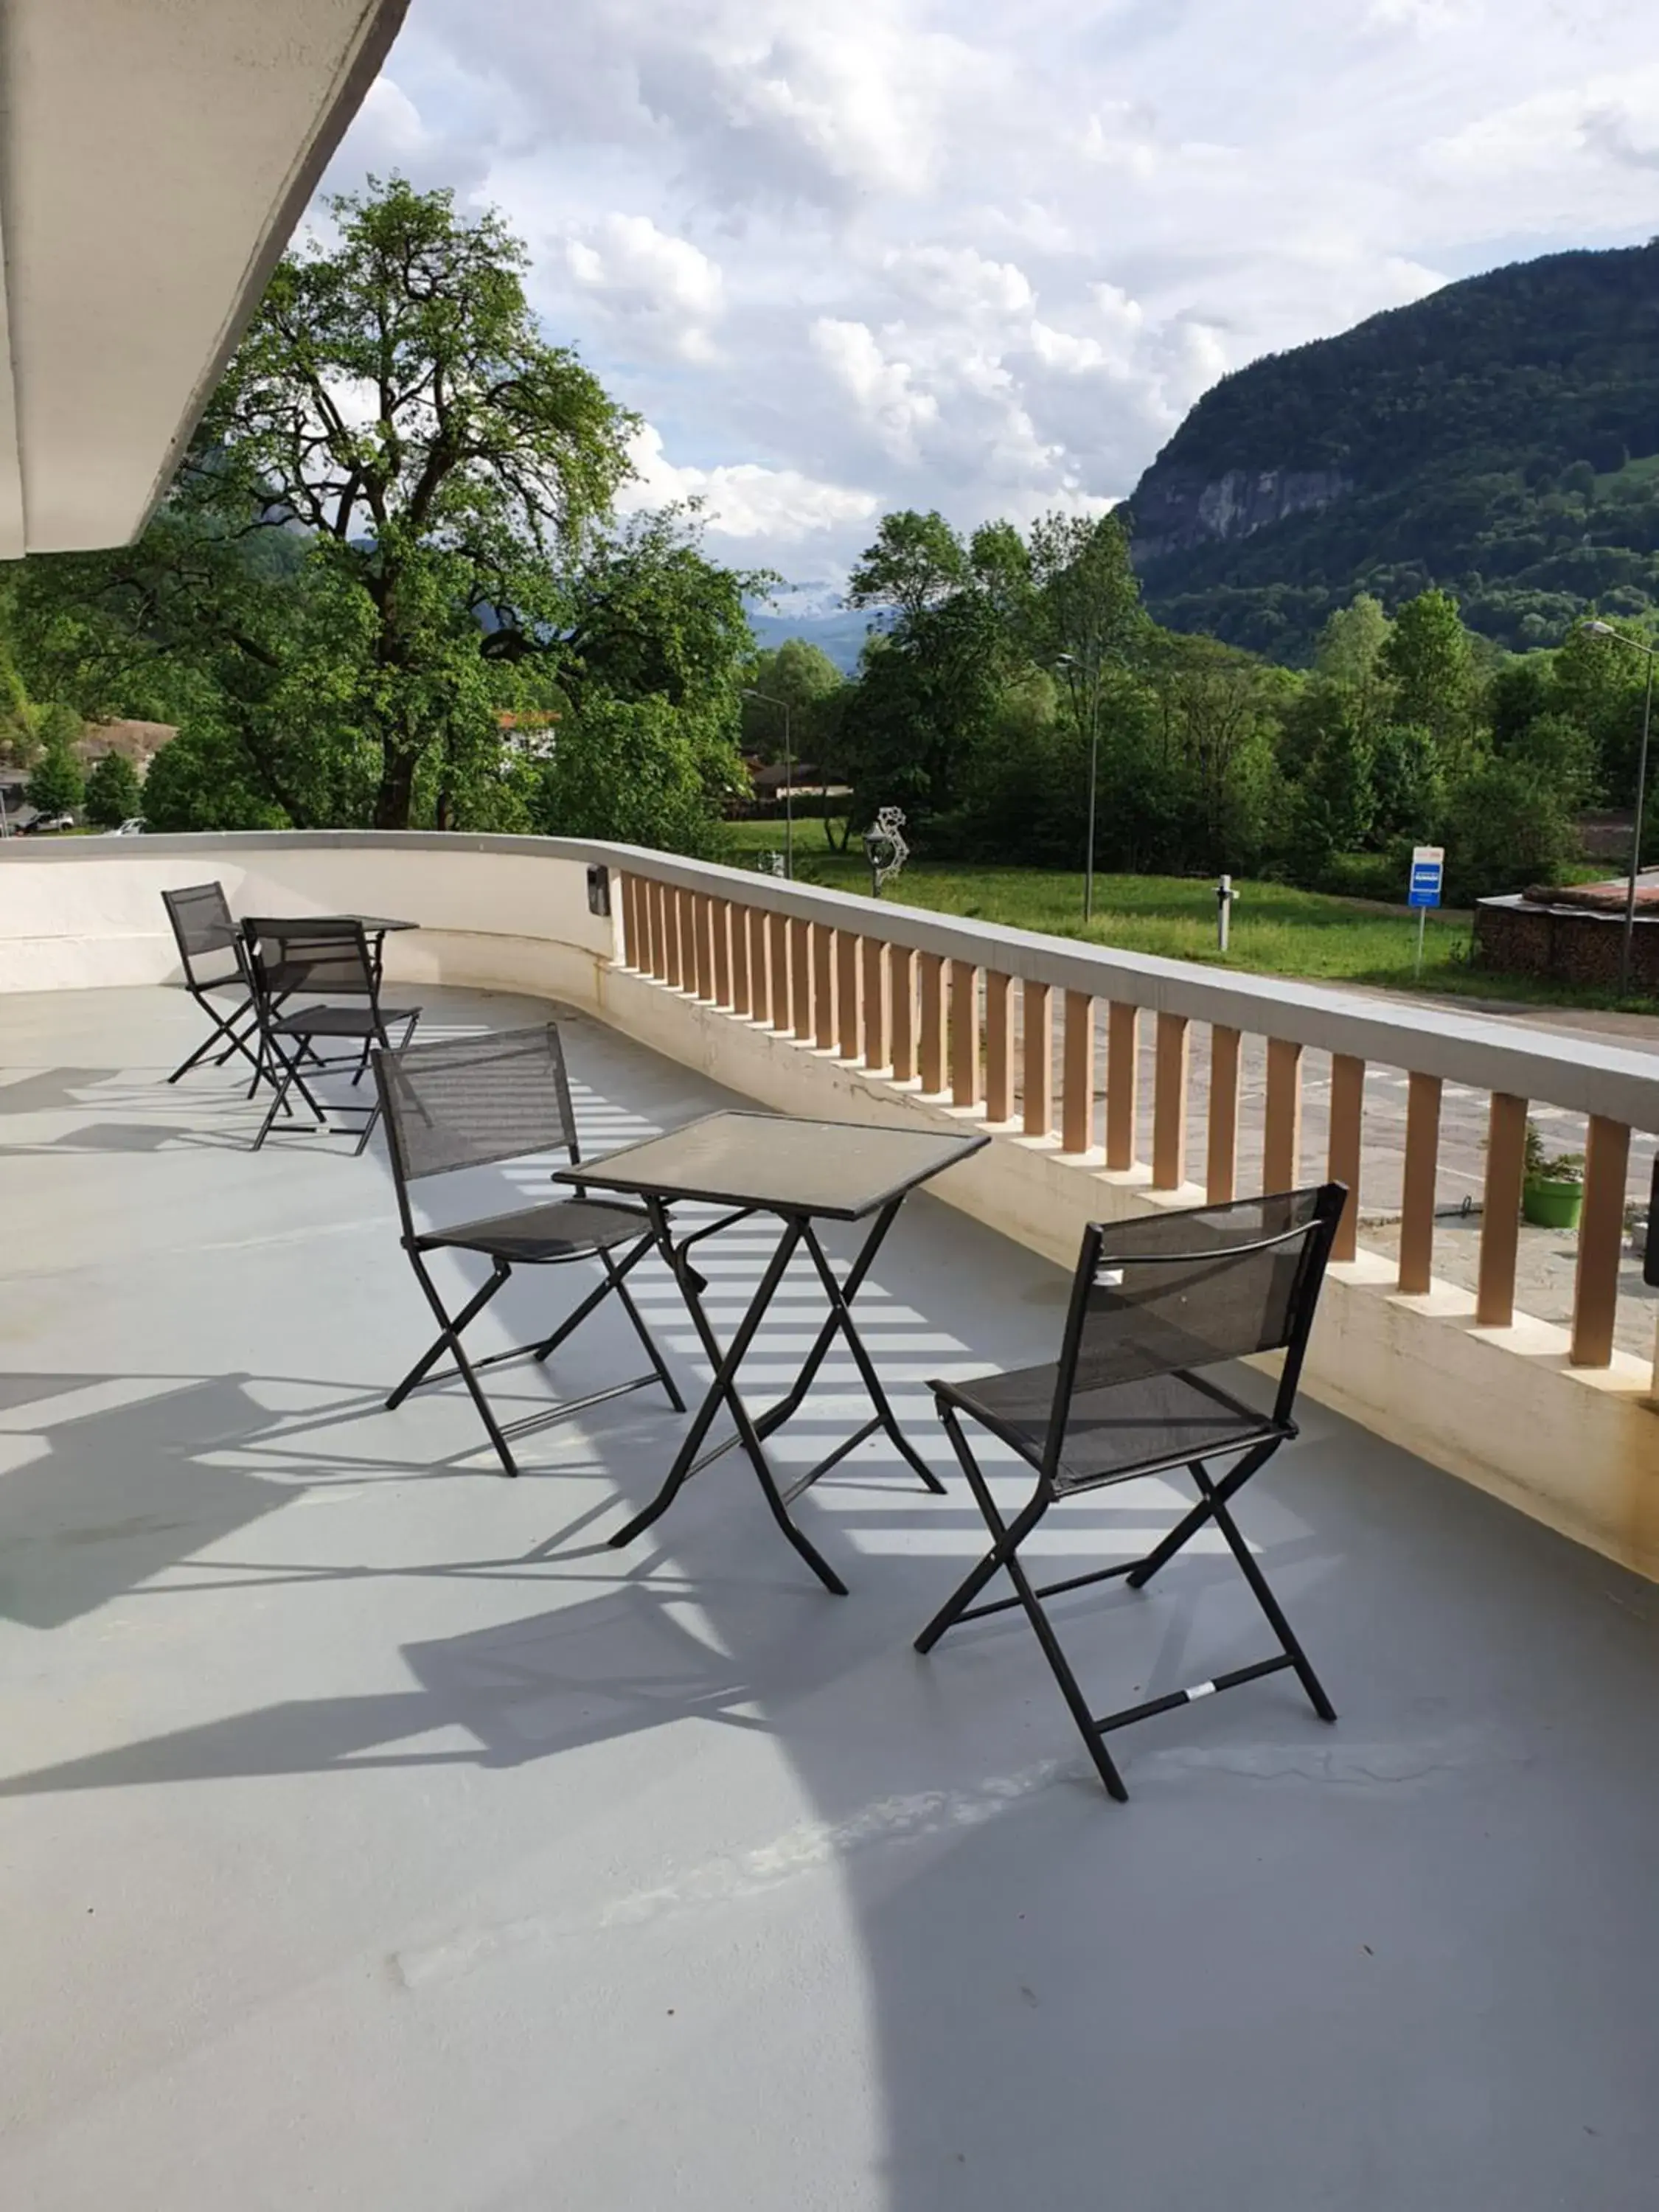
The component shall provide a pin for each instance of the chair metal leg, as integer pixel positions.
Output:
(1212, 1505)
(289, 1078)
(238, 1036)
(1186, 1528)
(224, 1028)
(470, 1370)
(1264, 1595)
(573, 1320)
(451, 1338)
(1006, 1539)
(1005, 1553)
(465, 1319)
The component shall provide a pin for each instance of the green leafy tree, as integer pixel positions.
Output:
(1086, 613)
(1507, 827)
(55, 780)
(799, 678)
(638, 770)
(1003, 569)
(205, 781)
(1563, 752)
(18, 740)
(925, 696)
(803, 677)
(641, 612)
(394, 409)
(1350, 648)
(1217, 715)
(113, 793)
(1598, 684)
(916, 562)
(930, 681)
(1408, 789)
(1521, 690)
(1429, 663)
(1336, 803)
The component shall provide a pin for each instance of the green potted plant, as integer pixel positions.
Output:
(1553, 1193)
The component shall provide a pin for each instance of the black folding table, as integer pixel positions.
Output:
(804, 1172)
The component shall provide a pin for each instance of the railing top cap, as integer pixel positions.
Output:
(1502, 1054)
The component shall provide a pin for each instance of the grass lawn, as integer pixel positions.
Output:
(1275, 931)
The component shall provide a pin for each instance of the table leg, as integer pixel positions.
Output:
(840, 1322)
(789, 1407)
(723, 1391)
(840, 1298)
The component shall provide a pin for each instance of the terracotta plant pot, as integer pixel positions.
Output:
(1551, 1205)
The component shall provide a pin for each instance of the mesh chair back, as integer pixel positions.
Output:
(329, 956)
(1170, 1292)
(209, 948)
(470, 1102)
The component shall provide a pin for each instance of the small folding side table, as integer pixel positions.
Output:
(803, 1172)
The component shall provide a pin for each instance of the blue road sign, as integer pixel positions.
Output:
(1428, 871)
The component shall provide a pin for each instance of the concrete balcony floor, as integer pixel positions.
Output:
(372, 1837)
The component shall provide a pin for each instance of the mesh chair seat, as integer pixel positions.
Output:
(1117, 1432)
(565, 1228)
(357, 1022)
(475, 1102)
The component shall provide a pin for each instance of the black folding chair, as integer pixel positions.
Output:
(329, 954)
(1155, 1302)
(212, 954)
(480, 1102)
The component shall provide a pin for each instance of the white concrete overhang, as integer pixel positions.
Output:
(154, 157)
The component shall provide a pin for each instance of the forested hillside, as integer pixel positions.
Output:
(1499, 440)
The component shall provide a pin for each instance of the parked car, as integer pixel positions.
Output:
(133, 827)
(52, 822)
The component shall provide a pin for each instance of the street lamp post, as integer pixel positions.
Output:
(1092, 681)
(1652, 653)
(767, 700)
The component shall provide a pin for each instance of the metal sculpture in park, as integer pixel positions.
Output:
(885, 848)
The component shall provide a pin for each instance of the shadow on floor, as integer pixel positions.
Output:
(106, 1487)
(1405, 1963)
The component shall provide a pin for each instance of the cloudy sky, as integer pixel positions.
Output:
(983, 255)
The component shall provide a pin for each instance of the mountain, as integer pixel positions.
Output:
(1499, 438)
(819, 617)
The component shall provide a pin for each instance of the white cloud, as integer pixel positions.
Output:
(1603, 117)
(857, 259)
(768, 508)
(1420, 14)
(885, 392)
(652, 278)
(957, 280)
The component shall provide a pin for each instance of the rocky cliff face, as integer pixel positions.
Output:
(1175, 508)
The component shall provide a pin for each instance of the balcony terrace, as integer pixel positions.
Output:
(371, 1835)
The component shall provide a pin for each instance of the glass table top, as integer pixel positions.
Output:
(837, 1169)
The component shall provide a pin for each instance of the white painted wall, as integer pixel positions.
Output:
(70, 922)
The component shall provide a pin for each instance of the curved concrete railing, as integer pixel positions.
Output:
(820, 1003)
